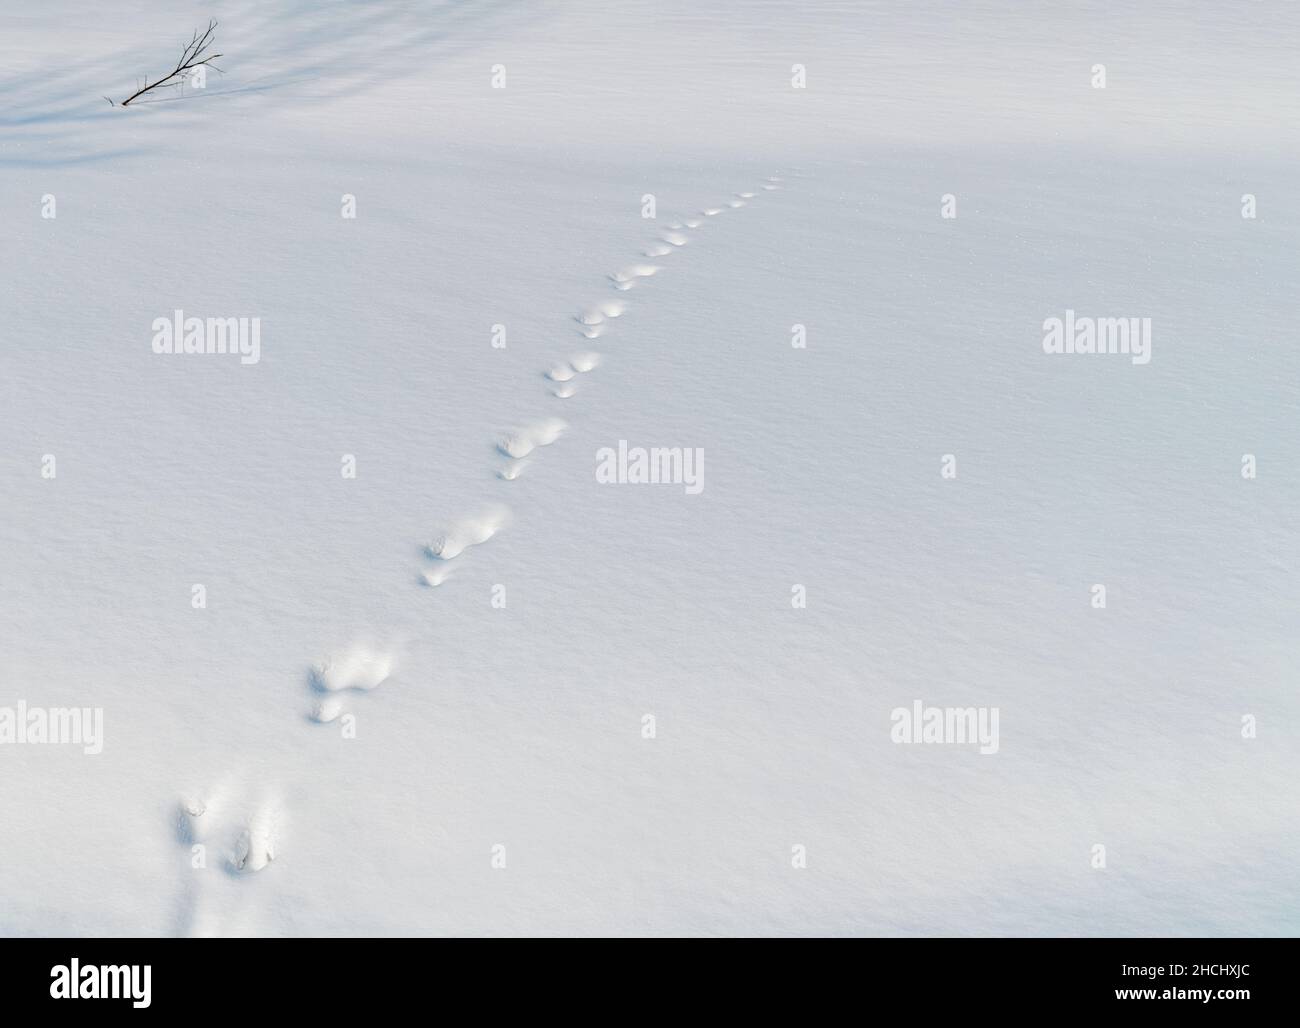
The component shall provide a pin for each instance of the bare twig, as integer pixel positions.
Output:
(194, 55)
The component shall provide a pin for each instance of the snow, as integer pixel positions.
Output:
(478, 724)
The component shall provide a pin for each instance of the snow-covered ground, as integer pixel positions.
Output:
(486, 733)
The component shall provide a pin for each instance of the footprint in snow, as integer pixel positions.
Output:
(625, 278)
(584, 362)
(599, 313)
(593, 321)
(575, 365)
(252, 830)
(523, 441)
(358, 667)
(563, 374)
(457, 537)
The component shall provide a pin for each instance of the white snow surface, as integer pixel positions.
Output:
(334, 601)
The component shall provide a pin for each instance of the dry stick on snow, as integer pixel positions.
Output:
(194, 54)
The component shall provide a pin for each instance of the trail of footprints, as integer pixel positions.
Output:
(519, 446)
(245, 828)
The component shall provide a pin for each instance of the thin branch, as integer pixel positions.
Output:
(194, 55)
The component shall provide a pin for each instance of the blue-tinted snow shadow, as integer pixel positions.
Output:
(303, 53)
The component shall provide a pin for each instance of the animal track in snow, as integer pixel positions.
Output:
(327, 709)
(356, 668)
(253, 839)
(434, 577)
(190, 819)
(359, 668)
(205, 818)
(575, 365)
(509, 473)
(236, 830)
(602, 312)
(255, 847)
(583, 362)
(626, 278)
(593, 321)
(467, 532)
(564, 372)
(522, 441)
